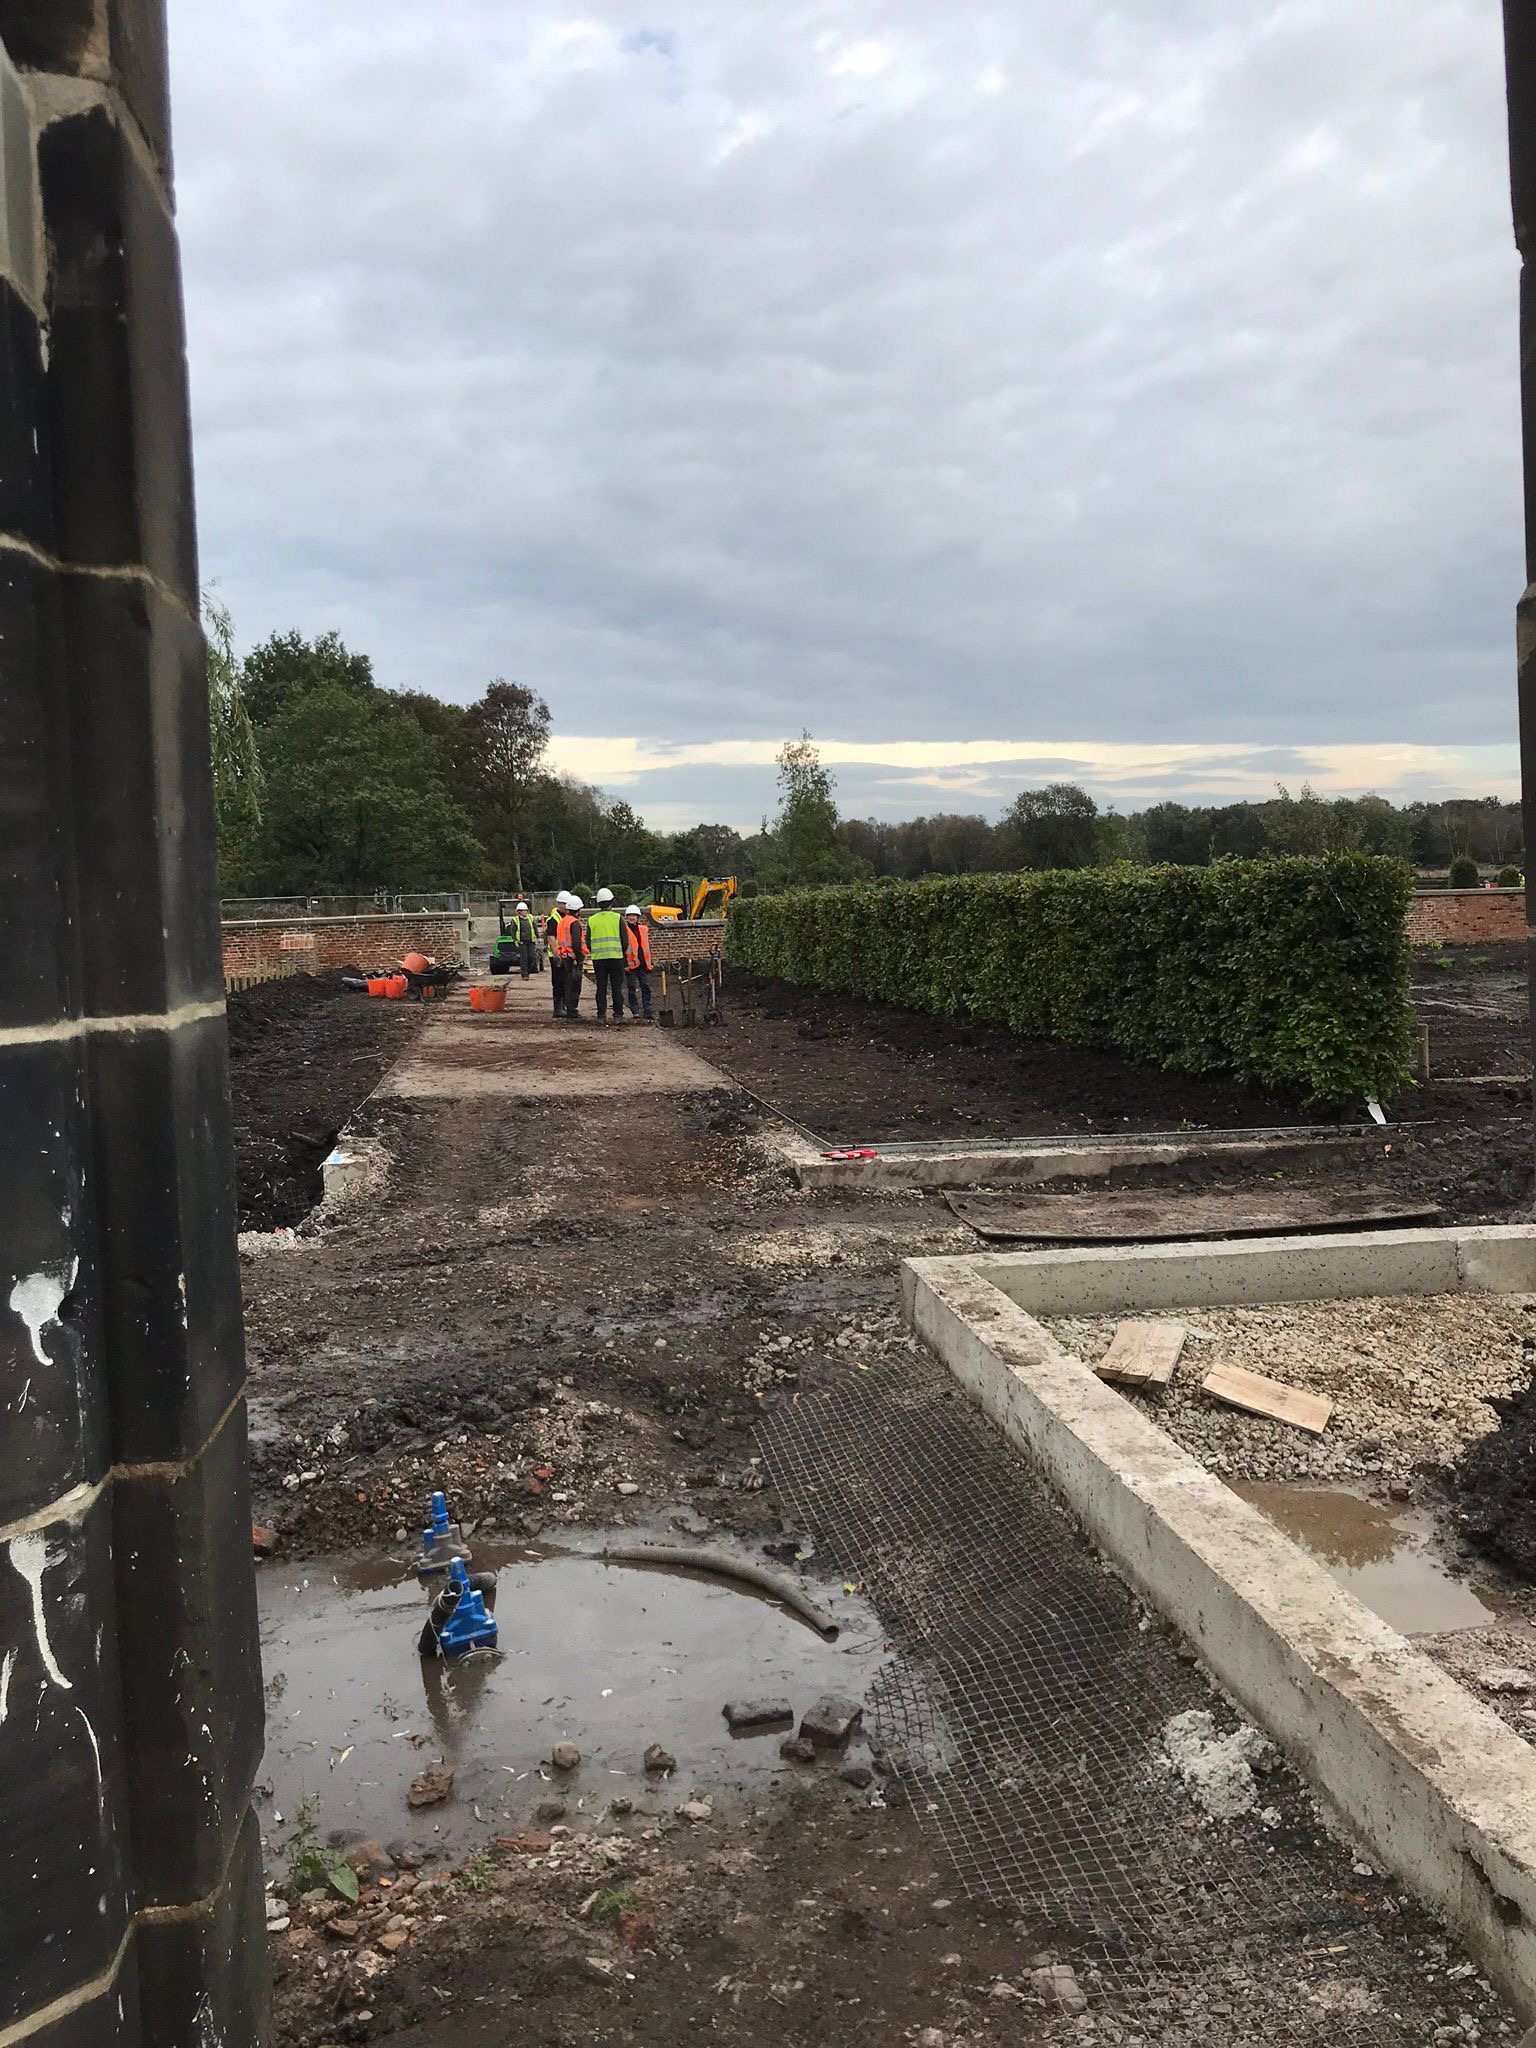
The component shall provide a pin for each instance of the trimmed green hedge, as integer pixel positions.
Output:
(1289, 975)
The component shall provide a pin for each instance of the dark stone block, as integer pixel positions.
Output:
(208, 1979)
(25, 505)
(117, 375)
(54, 35)
(64, 1892)
(192, 1698)
(164, 1191)
(35, 932)
(54, 1426)
(142, 73)
(136, 683)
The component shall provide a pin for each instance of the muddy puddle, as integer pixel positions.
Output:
(1388, 1556)
(610, 1657)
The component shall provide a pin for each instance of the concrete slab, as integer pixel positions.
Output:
(524, 1054)
(1441, 1791)
(1023, 1161)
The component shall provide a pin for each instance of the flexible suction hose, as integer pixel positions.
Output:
(722, 1565)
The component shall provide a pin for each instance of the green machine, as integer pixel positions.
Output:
(506, 949)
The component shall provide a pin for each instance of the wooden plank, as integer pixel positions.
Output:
(1142, 1354)
(1141, 1216)
(1260, 1396)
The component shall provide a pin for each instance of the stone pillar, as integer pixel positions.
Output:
(130, 1689)
(1520, 68)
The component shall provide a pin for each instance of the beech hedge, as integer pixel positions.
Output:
(1289, 975)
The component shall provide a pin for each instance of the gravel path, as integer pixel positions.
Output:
(1408, 1374)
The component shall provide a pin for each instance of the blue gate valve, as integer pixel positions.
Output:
(469, 1627)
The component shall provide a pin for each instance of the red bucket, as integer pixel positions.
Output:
(489, 1000)
(395, 985)
(378, 985)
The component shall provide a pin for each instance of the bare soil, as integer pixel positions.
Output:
(549, 1305)
(303, 1052)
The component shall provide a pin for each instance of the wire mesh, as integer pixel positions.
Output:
(1025, 1715)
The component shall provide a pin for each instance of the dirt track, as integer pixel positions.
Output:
(559, 1295)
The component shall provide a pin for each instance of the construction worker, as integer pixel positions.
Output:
(637, 963)
(557, 965)
(573, 950)
(605, 931)
(527, 938)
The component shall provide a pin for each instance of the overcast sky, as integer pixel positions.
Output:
(1116, 390)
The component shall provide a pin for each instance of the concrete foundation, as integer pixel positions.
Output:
(1443, 1794)
(1024, 1161)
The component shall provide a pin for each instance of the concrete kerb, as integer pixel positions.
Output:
(1021, 1161)
(1443, 1794)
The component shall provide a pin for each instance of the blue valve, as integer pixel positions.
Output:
(440, 1543)
(469, 1627)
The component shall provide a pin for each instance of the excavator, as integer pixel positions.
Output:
(690, 896)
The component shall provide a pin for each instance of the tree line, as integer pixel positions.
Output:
(328, 783)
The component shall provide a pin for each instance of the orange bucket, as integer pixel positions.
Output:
(395, 985)
(378, 985)
(489, 1000)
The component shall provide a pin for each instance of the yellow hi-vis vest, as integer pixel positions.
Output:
(605, 934)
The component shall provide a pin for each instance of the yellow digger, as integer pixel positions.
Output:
(690, 896)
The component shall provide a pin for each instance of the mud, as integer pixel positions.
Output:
(303, 1053)
(1495, 1485)
(610, 1657)
(1390, 1557)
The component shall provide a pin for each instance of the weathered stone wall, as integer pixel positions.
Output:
(324, 943)
(1464, 917)
(130, 1677)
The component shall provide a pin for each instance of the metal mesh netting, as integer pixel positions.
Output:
(1025, 1713)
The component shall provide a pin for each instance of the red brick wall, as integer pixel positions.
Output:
(322, 943)
(672, 941)
(1464, 917)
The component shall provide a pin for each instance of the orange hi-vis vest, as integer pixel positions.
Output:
(570, 937)
(637, 945)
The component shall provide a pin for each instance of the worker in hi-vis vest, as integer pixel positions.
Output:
(605, 935)
(571, 949)
(551, 952)
(637, 963)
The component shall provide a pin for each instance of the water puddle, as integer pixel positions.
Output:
(1386, 1555)
(610, 1657)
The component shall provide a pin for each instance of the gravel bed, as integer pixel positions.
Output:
(1409, 1376)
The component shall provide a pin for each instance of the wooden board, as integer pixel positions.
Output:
(1261, 1396)
(1166, 1215)
(1142, 1354)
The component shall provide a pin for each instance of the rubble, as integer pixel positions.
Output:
(431, 1786)
(830, 1723)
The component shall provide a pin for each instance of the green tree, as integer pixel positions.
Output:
(508, 733)
(447, 725)
(1464, 873)
(1177, 836)
(287, 666)
(806, 848)
(356, 800)
(232, 743)
(1055, 827)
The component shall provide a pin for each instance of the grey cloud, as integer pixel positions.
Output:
(1115, 371)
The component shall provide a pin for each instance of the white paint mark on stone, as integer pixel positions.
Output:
(95, 1745)
(7, 1666)
(37, 1299)
(29, 1554)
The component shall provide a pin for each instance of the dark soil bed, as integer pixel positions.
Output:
(858, 1072)
(1473, 1002)
(303, 1052)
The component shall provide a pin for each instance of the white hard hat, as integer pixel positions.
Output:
(573, 901)
(564, 896)
(605, 896)
(522, 903)
(633, 910)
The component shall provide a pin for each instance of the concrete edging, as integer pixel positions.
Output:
(1431, 1780)
(1025, 1160)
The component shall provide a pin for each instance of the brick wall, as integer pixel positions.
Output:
(1464, 917)
(324, 943)
(672, 940)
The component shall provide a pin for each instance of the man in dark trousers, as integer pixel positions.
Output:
(637, 963)
(605, 933)
(551, 949)
(527, 938)
(571, 949)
